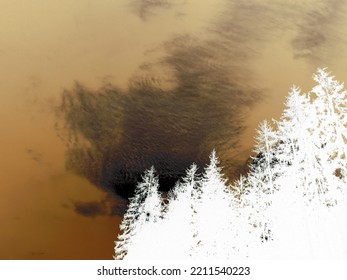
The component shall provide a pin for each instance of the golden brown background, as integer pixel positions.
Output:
(47, 212)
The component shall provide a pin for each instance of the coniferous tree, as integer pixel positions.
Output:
(294, 126)
(143, 212)
(330, 103)
(262, 183)
(213, 213)
(291, 204)
(180, 217)
(297, 153)
(308, 153)
(331, 132)
(312, 136)
(265, 164)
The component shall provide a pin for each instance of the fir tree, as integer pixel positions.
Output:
(294, 126)
(143, 211)
(331, 132)
(291, 204)
(297, 152)
(180, 217)
(213, 213)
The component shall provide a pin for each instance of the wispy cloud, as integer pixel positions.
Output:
(317, 30)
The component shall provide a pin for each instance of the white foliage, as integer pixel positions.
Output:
(307, 212)
(291, 204)
(140, 220)
(180, 217)
(214, 234)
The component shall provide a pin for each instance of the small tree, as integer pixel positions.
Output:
(144, 210)
(180, 217)
(213, 213)
(295, 126)
(266, 161)
(299, 152)
(261, 184)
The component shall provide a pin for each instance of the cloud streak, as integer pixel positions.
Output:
(148, 8)
(318, 31)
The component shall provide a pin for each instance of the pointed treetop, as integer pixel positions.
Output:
(149, 182)
(327, 85)
(213, 170)
(149, 175)
(265, 127)
(213, 166)
(191, 172)
(213, 158)
(322, 75)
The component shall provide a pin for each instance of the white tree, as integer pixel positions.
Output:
(180, 217)
(213, 210)
(331, 132)
(331, 105)
(312, 133)
(261, 184)
(294, 126)
(303, 211)
(142, 217)
(297, 151)
(291, 204)
(265, 163)
(298, 162)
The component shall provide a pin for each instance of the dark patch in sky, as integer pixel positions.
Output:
(34, 155)
(114, 135)
(109, 206)
(89, 209)
(317, 31)
(147, 8)
(37, 157)
(197, 103)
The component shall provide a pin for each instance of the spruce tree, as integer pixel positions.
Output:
(331, 132)
(180, 217)
(213, 213)
(291, 204)
(144, 210)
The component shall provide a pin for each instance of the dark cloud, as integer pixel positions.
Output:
(90, 209)
(197, 102)
(109, 206)
(147, 8)
(37, 157)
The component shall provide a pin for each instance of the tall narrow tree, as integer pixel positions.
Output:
(180, 217)
(330, 134)
(144, 210)
(213, 213)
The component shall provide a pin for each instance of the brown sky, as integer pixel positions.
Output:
(47, 45)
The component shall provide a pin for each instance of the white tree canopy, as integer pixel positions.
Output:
(143, 214)
(291, 204)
